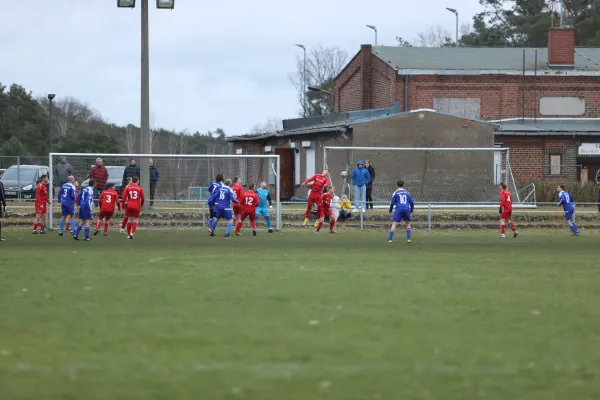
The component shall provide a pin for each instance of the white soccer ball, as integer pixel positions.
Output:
(343, 174)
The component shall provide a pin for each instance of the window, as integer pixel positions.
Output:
(297, 168)
(562, 105)
(555, 164)
(310, 162)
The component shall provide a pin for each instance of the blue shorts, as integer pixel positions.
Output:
(401, 215)
(262, 211)
(569, 215)
(67, 210)
(224, 213)
(85, 214)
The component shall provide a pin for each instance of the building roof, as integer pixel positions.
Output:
(548, 126)
(462, 60)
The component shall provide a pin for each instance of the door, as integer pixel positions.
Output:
(497, 167)
(286, 157)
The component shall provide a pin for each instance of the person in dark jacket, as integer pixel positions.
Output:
(99, 174)
(153, 181)
(62, 171)
(371, 170)
(2, 208)
(130, 171)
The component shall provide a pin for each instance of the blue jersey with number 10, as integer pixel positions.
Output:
(402, 200)
(222, 198)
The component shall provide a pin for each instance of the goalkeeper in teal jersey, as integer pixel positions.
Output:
(263, 198)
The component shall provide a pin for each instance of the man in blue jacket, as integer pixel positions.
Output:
(360, 180)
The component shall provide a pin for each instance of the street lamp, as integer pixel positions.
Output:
(304, 79)
(316, 89)
(145, 85)
(51, 97)
(453, 10)
(375, 29)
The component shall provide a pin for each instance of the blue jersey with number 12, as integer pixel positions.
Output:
(402, 200)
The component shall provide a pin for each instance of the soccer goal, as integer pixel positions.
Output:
(177, 187)
(436, 177)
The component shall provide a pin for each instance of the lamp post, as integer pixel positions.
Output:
(50, 98)
(375, 29)
(316, 89)
(145, 85)
(304, 79)
(453, 10)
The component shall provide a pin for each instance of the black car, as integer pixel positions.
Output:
(115, 175)
(20, 181)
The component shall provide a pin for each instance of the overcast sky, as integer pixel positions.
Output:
(212, 64)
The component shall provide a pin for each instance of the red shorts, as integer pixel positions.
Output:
(505, 215)
(132, 213)
(325, 213)
(236, 209)
(40, 208)
(315, 198)
(248, 213)
(106, 215)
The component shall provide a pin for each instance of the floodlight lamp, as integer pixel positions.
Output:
(126, 3)
(165, 4)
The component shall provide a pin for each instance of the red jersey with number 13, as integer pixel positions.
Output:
(41, 194)
(133, 196)
(249, 201)
(505, 201)
(319, 182)
(108, 200)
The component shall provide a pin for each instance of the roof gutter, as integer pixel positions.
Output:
(546, 133)
(463, 72)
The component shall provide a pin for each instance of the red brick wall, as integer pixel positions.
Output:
(561, 46)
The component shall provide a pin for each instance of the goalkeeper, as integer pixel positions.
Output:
(263, 198)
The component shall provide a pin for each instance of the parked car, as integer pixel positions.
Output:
(22, 179)
(2, 171)
(115, 175)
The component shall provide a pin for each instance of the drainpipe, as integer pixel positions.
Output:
(405, 92)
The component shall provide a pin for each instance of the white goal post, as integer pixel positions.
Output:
(436, 177)
(182, 180)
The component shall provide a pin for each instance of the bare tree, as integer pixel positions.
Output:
(322, 65)
(70, 113)
(435, 36)
(130, 133)
(271, 125)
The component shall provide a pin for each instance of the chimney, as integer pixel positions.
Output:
(561, 47)
(366, 70)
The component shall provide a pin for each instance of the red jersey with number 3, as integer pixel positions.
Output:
(108, 200)
(41, 194)
(506, 201)
(133, 196)
(249, 202)
(238, 192)
(319, 182)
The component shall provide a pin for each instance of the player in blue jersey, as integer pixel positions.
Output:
(218, 183)
(85, 202)
(66, 198)
(404, 208)
(567, 202)
(222, 198)
(263, 198)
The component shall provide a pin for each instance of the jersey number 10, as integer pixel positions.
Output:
(402, 199)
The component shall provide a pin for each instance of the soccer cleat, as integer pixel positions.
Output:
(2, 240)
(75, 237)
(130, 237)
(389, 241)
(227, 235)
(238, 234)
(332, 232)
(316, 223)
(305, 222)
(35, 232)
(253, 233)
(42, 232)
(409, 241)
(122, 231)
(502, 236)
(60, 233)
(96, 232)
(105, 234)
(87, 239)
(270, 230)
(211, 234)
(515, 234)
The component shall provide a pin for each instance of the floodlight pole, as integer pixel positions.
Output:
(145, 103)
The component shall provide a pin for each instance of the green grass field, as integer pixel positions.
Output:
(293, 315)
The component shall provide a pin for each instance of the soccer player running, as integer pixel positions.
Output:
(325, 211)
(133, 200)
(566, 200)
(41, 202)
(66, 198)
(238, 192)
(107, 201)
(125, 219)
(249, 202)
(85, 202)
(264, 197)
(505, 211)
(404, 208)
(222, 197)
(217, 184)
(319, 182)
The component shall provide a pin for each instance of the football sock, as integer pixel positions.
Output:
(61, 226)
(78, 231)
(319, 226)
(502, 228)
(408, 233)
(268, 219)
(133, 228)
(43, 228)
(512, 226)
(391, 235)
(253, 223)
(228, 229)
(98, 225)
(238, 227)
(213, 225)
(35, 227)
(128, 228)
(106, 227)
(331, 224)
(573, 227)
(124, 224)
(87, 232)
(73, 225)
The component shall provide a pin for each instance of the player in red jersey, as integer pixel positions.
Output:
(125, 219)
(107, 201)
(41, 202)
(133, 199)
(319, 182)
(325, 211)
(238, 193)
(248, 204)
(506, 211)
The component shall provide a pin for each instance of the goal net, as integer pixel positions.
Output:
(432, 175)
(177, 187)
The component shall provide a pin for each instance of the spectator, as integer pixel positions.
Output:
(62, 171)
(153, 180)
(371, 170)
(99, 174)
(345, 208)
(360, 180)
(130, 171)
